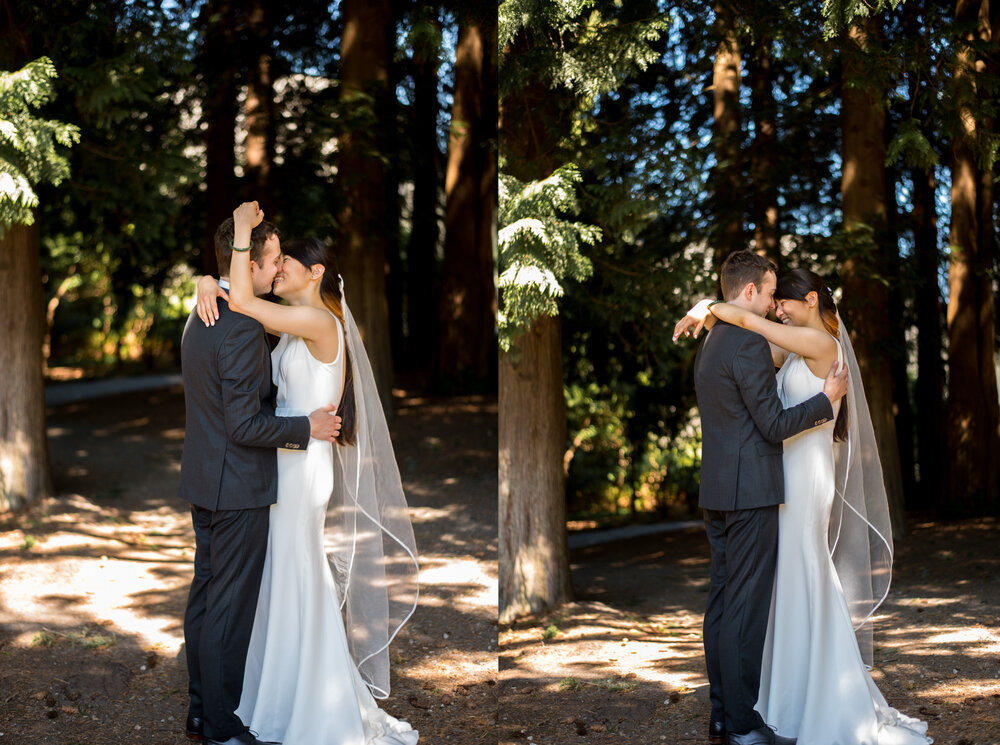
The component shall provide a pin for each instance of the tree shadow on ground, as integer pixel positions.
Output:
(625, 660)
(93, 582)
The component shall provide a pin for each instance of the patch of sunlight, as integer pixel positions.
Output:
(969, 635)
(933, 602)
(106, 591)
(448, 571)
(428, 514)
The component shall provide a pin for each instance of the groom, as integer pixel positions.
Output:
(229, 475)
(742, 484)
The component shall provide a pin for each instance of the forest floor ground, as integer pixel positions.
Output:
(624, 662)
(94, 581)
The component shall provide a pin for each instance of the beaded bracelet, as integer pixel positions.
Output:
(241, 250)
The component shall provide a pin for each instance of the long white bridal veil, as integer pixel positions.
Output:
(860, 530)
(369, 538)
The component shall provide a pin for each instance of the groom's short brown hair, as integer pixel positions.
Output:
(224, 239)
(741, 268)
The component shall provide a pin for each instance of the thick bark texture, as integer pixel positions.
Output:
(468, 299)
(534, 557)
(364, 70)
(259, 110)
(534, 566)
(863, 196)
(727, 177)
(973, 415)
(24, 457)
(764, 153)
(219, 71)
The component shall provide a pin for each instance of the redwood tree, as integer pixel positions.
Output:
(764, 151)
(29, 155)
(533, 555)
(422, 289)
(727, 177)
(468, 306)
(973, 411)
(218, 68)
(545, 78)
(866, 267)
(365, 55)
(259, 107)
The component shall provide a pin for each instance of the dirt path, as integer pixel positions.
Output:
(624, 662)
(93, 583)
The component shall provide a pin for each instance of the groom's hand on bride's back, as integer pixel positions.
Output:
(835, 385)
(324, 424)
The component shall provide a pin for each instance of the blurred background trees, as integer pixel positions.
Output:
(342, 118)
(856, 139)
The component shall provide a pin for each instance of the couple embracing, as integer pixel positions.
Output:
(287, 636)
(796, 517)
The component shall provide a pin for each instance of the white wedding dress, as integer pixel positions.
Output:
(814, 684)
(301, 685)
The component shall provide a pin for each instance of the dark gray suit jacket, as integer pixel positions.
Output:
(742, 421)
(231, 433)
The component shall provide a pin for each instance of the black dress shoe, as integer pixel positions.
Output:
(763, 736)
(716, 732)
(247, 738)
(194, 728)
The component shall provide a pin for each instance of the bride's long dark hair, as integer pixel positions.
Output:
(795, 285)
(310, 251)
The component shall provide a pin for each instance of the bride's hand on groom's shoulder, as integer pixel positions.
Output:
(207, 305)
(696, 318)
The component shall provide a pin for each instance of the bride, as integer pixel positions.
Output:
(834, 537)
(318, 653)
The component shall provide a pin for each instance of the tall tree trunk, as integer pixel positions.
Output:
(727, 210)
(929, 392)
(929, 420)
(24, 456)
(534, 565)
(989, 248)
(863, 196)
(422, 286)
(488, 190)
(259, 110)
(388, 112)
(467, 295)
(973, 417)
(364, 70)
(764, 153)
(220, 108)
(896, 345)
(534, 556)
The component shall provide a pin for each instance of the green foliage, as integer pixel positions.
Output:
(128, 214)
(910, 144)
(29, 146)
(539, 248)
(840, 14)
(582, 49)
(583, 44)
(43, 639)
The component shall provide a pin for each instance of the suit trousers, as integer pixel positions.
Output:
(744, 548)
(230, 546)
